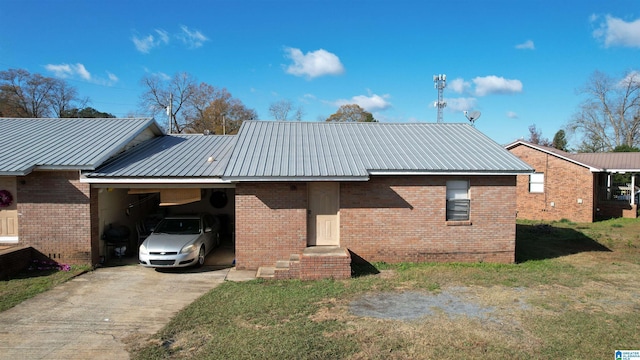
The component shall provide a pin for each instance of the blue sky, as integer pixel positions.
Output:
(518, 62)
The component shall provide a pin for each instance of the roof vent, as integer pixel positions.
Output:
(207, 132)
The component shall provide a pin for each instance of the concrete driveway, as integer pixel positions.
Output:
(94, 315)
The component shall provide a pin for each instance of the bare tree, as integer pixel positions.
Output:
(23, 94)
(535, 137)
(610, 115)
(351, 113)
(65, 100)
(171, 95)
(280, 110)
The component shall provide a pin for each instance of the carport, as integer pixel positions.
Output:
(168, 175)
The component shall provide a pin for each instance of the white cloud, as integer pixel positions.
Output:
(82, 72)
(460, 104)
(371, 103)
(512, 115)
(496, 85)
(112, 77)
(527, 45)
(145, 44)
(313, 64)
(631, 78)
(193, 39)
(164, 36)
(65, 71)
(458, 85)
(617, 32)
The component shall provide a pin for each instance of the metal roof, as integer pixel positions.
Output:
(596, 162)
(171, 156)
(62, 144)
(267, 150)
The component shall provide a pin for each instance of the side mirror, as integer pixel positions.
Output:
(207, 230)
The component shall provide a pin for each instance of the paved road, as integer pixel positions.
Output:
(91, 316)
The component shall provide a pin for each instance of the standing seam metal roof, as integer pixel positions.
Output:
(172, 156)
(302, 150)
(82, 144)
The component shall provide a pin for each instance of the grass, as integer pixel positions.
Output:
(30, 283)
(573, 293)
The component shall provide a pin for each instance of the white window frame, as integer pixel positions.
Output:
(458, 200)
(536, 183)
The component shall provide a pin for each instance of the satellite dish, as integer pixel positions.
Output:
(472, 116)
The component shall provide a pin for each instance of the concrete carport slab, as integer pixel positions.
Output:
(94, 315)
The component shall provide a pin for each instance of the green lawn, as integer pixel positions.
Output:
(574, 293)
(30, 283)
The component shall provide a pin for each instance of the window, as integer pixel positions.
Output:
(536, 183)
(458, 203)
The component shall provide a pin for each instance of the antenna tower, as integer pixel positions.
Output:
(440, 82)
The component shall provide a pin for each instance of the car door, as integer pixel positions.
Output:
(207, 222)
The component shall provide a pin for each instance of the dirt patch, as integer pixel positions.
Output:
(411, 305)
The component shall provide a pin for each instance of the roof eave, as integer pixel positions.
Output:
(153, 180)
(532, 146)
(294, 178)
(450, 172)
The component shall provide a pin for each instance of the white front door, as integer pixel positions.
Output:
(323, 221)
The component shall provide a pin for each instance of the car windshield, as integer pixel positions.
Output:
(179, 226)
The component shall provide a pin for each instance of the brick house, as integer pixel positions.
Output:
(577, 187)
(305, 199)
(48, 208)
(381, 192)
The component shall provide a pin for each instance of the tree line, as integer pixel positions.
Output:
(606, 120)
(191, 106)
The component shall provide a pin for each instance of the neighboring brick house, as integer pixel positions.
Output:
(381, 192)
(576, 187)
(40, 164)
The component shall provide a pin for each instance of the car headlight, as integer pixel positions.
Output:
(187, 249)
(143, 250)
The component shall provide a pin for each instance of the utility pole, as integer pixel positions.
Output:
(170, 113)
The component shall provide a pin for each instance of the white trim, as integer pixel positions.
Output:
(295, 178)
(533, 146)
(202, 180)
(8, 239)
(461, 173)
(621, 171)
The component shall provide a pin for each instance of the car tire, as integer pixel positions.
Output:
(201, 256)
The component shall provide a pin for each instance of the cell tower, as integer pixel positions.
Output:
(440, 82)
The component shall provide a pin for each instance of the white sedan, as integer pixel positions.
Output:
(180, 241)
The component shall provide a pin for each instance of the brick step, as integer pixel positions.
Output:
(282, 264)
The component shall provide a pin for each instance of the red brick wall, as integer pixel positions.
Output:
(271, 222)
(564, 183)
(392, 219)
(396, 219)
(55, 216)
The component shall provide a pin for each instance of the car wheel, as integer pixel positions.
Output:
(200, 257)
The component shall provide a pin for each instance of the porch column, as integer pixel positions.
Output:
(633, 189)
(608, 186)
